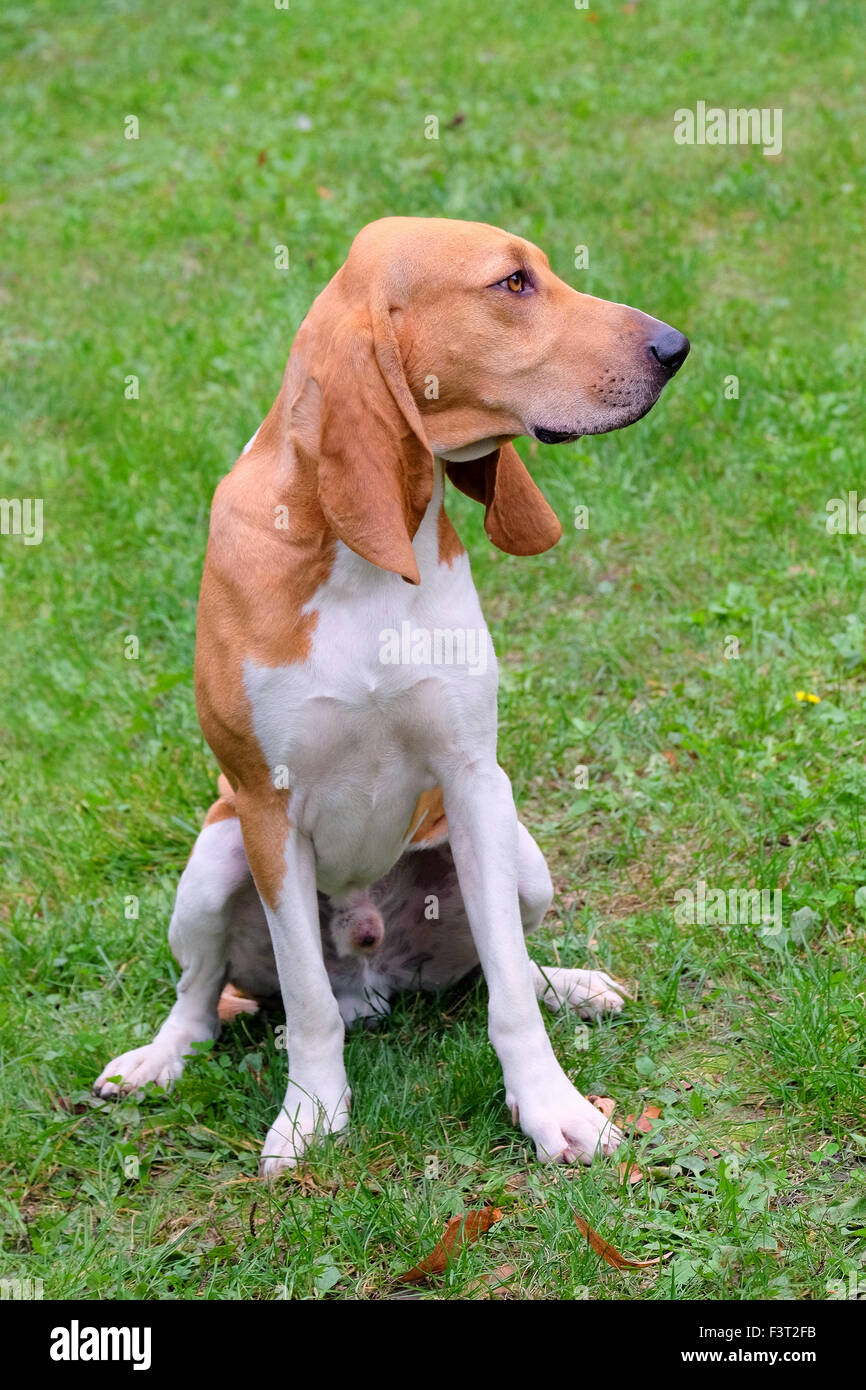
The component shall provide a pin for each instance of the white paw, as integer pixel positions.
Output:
(157, 1062)
(302, 1120)
(562, 1123)
(591, 992)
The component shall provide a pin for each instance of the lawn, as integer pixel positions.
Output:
(699, 648)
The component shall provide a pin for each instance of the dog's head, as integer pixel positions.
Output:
(453, 338)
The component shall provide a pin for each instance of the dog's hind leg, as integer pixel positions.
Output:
(589, 992)
(198, 936)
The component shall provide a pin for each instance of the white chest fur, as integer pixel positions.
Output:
(397, 676)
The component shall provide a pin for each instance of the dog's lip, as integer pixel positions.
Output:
(545, 436)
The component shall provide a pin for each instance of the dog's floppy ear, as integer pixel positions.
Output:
(375, 468)
(516, 516)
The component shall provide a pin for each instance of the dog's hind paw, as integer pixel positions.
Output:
(590, 993)
(132, 1071)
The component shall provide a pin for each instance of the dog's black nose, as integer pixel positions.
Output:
(670, 349)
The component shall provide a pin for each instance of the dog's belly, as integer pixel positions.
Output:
(428, 944)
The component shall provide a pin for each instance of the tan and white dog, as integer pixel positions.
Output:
(357, 791)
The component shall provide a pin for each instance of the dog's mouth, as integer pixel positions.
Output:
(553, 436)
(613, 410)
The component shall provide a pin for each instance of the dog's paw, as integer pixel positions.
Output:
(132, 1071)
(563, 1125)
(590, 993)
(302, 1120)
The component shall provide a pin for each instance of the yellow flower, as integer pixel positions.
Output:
(808, 696)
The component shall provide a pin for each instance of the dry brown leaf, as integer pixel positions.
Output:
(460, 1231)
(670, 756)
(630, 1173)
(71, 1107)
(487, 1284)
(645, 1121)
(606, 1104)
(324, 192)
(607, 1252)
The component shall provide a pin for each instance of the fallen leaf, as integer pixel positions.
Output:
(71, 1107)
(630, 1173)
(486, 1284)
(670, 756)
(607, 1252)
(606, 1104)
(261, 156)
(324, 192)
(460, 1231)
(644, 1122)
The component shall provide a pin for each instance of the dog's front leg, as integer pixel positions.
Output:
(484, 838)
(317, 1096)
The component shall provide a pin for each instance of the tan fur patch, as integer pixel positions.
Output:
(220, 810)
(427, 825)
(233, 1002)
(450, 545)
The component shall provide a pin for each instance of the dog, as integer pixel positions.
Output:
(365, 839)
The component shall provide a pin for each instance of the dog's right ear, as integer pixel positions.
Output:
(517, 518)
(375, 468)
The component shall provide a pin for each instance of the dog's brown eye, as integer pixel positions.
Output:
(516, 282)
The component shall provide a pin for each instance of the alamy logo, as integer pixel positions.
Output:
(438, 646)
(846, 516)
(77, 1343)
(20, 1290)
(742, 907)
(738, 126)
(853, 1287)
(22, 516)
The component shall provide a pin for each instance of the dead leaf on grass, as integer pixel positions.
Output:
(606, 1104)
(630, 1173)
(607, 1251)
(487, 1284)
(644, 1123)
(460, 1231)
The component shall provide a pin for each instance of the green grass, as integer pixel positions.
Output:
(155, 258)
